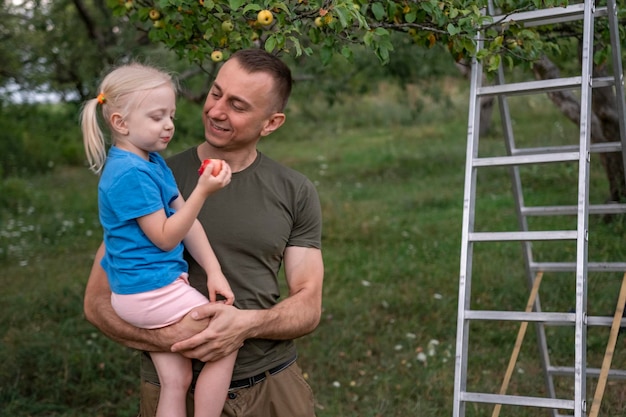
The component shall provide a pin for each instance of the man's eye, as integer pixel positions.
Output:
(237, 106)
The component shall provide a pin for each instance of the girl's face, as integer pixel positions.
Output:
(149, 127)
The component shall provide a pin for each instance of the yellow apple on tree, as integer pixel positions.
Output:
(154, 14)
(158, 24)
(217, 56)
(319, 22)
(227, 26)
(265, 17)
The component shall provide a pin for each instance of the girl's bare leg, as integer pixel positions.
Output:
(175, 377)
(212, 387)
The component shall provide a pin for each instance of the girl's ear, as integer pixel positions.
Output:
(118, 124)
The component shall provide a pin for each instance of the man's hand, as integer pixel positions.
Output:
(225, 333)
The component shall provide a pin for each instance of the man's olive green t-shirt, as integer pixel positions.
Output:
(249, 223)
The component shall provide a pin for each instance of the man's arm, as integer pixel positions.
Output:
(295, 316)
(100, 313)
(299, 313)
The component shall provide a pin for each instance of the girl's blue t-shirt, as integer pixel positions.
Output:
(131, 187)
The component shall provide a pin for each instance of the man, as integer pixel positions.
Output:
(268, 216)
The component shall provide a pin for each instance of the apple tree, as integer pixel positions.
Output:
(210, 30)
(197, 28)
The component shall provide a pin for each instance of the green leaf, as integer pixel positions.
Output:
(270, 44)
(343, 16)
(347, 53)
(250, 7)
(493, 62)
(326, 54)
(296, 44)
(283, 7)
(368, 38)
(381, 32)
(383, 54)
(235, 4)
(379, 11)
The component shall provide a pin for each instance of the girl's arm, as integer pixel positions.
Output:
(167, 232)
(197, 244)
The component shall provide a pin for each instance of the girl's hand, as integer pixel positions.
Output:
(210, 183)
(217, 284)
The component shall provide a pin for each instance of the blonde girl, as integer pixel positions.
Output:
(146, 222)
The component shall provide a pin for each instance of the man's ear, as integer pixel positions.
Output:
(118, 124)
(275, 121)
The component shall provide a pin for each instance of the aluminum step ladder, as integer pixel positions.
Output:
(515, 158)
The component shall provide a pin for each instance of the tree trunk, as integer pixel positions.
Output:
(604, 122)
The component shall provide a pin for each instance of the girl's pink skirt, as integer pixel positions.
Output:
(160, 307)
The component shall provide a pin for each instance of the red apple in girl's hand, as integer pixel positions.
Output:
(217, 166)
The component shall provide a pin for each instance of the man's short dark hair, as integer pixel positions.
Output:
(259, 60)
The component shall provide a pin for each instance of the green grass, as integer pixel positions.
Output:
(391, 185)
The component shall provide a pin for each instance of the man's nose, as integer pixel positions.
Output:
(216, 109)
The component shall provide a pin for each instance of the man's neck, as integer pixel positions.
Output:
(238, 160)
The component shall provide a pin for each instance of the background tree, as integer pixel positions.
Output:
(63, 46)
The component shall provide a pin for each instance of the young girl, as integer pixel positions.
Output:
(145, 219)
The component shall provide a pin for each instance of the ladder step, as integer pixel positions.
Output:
(592, 372)
(603, 321)
(517, 400)
(573, 210)
(552, 319)
(548, 16)
(603, 147)
(539, 86)
(540, 317)
(571, 266)
(522, 236)
(498, 161)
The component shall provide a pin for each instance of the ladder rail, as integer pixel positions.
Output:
(465, 278)
(580, 332)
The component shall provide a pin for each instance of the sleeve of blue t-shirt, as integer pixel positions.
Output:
(134, 195)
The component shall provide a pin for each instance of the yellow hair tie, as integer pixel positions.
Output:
(101, 98)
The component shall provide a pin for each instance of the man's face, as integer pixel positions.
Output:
(240, 108)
